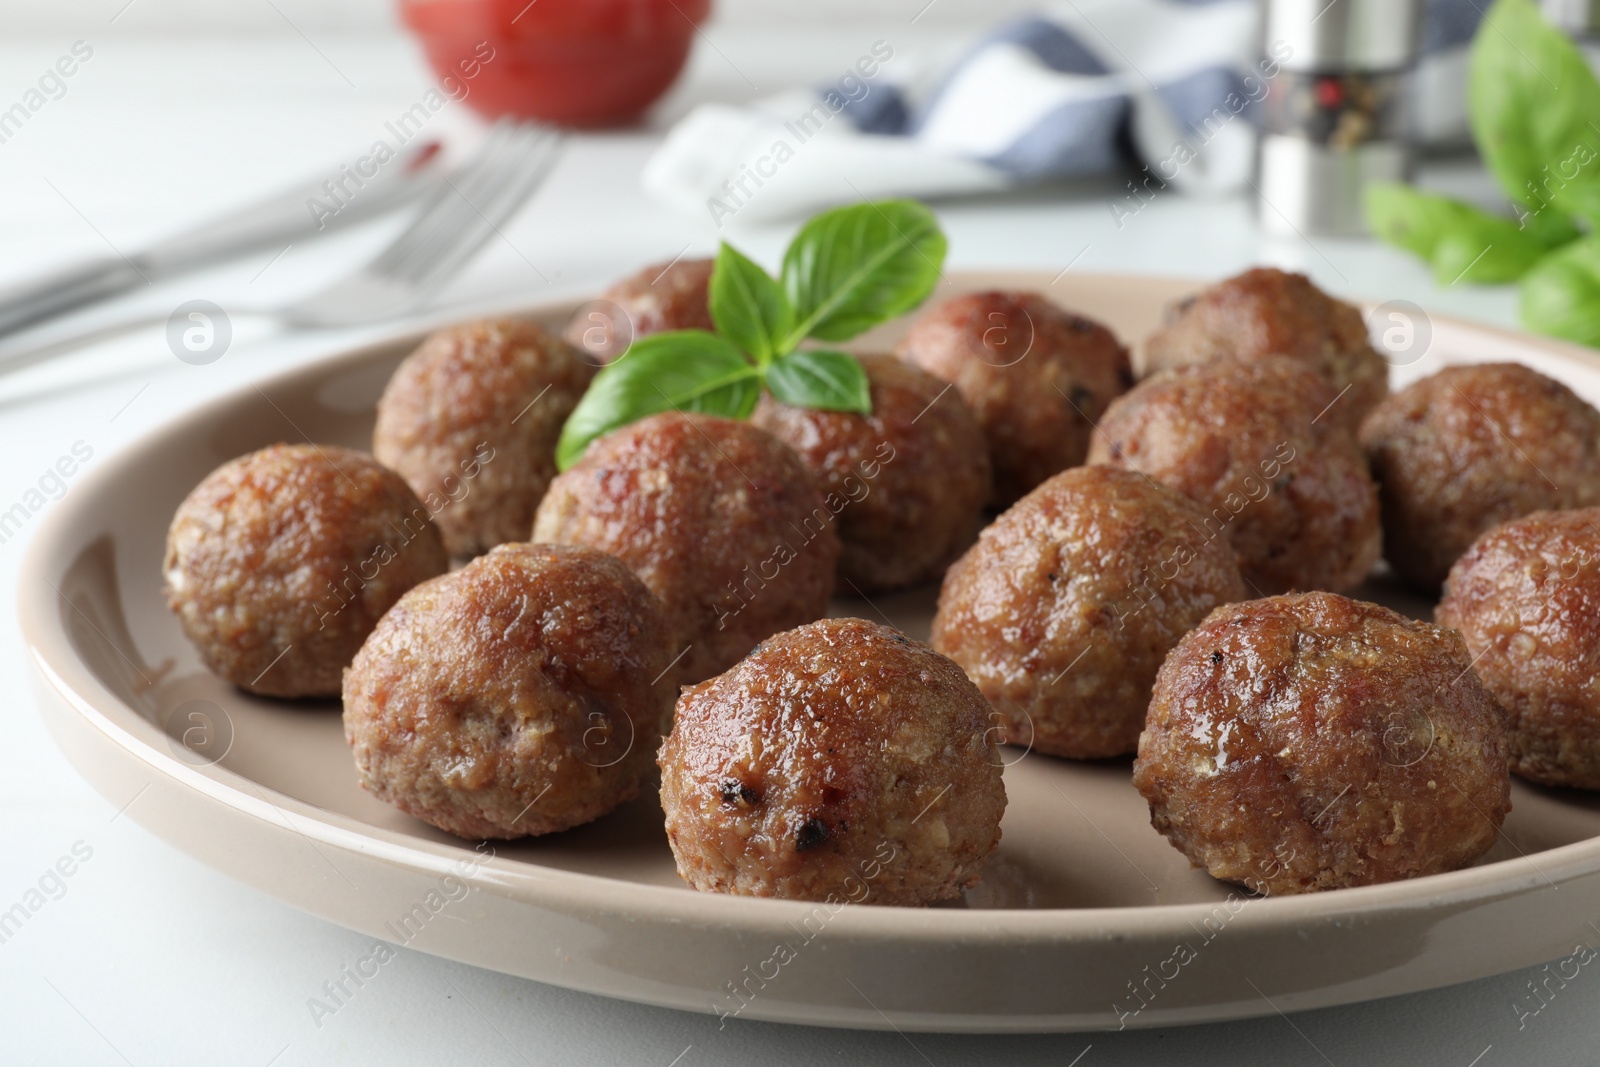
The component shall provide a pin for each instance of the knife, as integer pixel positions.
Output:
(316, 205)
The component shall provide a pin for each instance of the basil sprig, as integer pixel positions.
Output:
(1535, 110)
(1533, 103)
(846, 271)
(1460, 242)
(1561, 296)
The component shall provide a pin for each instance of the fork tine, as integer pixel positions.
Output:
(459, 223)
(497, 137)
(491, 211)
(427, 224)
(474, 181)
(486, 191)
(457, 215)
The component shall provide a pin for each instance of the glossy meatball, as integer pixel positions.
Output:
(1038, 377)
(1065, 608)
(522, 694)
(279, 564)
(1252, 443)
(1526, 598)
(1267, 312)
(720, 519)
(1470, 447)
(471, 420)
(1314, 742)
(908, 482)
(662, 296)
(841, 761)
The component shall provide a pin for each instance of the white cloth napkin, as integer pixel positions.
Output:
(1083, 87)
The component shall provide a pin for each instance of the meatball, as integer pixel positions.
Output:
(1251, 443)
(841, 761)
(1526, 598)
(1266, 312)
(662, 296)
(1038, 377)
(280, 563)
(1312, 742)
(471, 419)
(1470, 447)
(720, 519)
(1065, 608)
(522, 694)
(908, 481)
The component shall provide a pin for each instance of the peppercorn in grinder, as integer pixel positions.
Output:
(1334, 119)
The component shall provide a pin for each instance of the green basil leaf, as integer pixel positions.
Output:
(1561, 296)
(1462, 243)
(1550, 227)
(820, 378)
(1485, 255)
(749, 308)
(1409, 219)
(1582, 197)
(852, 268)
(1533, 101)
(684, 370)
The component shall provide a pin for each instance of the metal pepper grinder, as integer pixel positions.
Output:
(1334, 116)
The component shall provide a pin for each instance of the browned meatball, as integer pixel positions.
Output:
(720, 519)
(1526, 598)
(1065, 608)
(1314, 742)
(662, 296)
(471, 420)
(1251, 443)
(1267, 312)
(908, 482)
(1469, 447)
(1038, 377)
(841, 761)
(280, 563)
(523, 694)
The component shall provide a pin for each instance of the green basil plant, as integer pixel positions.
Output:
(1535, 112)
(846, 271)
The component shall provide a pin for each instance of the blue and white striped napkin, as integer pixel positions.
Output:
(1083, 87)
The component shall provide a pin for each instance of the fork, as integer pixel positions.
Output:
(453, 223)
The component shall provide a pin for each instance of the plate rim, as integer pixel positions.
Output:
(48, 649)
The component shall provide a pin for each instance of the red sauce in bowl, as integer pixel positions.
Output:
(570, 62)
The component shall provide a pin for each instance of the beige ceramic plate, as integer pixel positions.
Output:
(1085, 918)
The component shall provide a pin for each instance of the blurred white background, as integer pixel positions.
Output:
(256, 16)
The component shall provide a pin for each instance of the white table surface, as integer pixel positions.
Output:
(149, 957)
